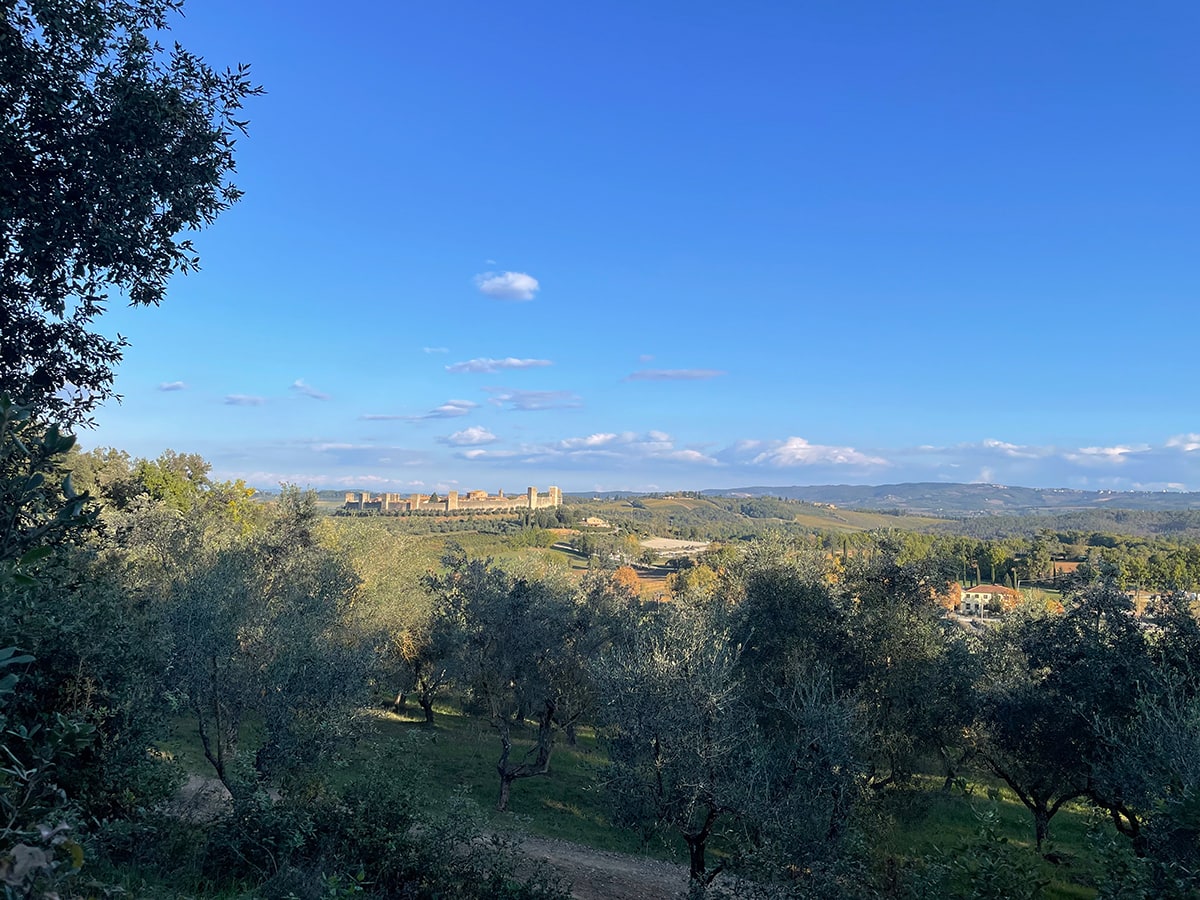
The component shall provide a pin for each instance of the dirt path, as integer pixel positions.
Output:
(604, 875)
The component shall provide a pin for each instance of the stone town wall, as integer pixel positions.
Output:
(479, 501)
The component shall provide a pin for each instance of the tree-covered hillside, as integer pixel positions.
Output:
(940, 499)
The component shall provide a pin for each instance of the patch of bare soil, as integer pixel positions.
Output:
(604, 875)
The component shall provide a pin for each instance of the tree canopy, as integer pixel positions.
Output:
(111, 148)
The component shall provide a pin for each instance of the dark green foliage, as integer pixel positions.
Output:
(257, 633)
(679, 732)
(383, 833)
(91, 652)
(111, 148)
(1051, 682)
(76, 707)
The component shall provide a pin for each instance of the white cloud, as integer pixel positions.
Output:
(1017, 451)
(796, 451)
(608, 449)
(480, 453)
(507, 285)
(451, 409)
(244, 400)
(674, 374)
(1188, 443)
(486, 364)
(308, 390)
(272, 479)
(592, 440)
(470, 437)
(172, 386)
(627, 445)
(1104, 455)
(534, 400)
(689, 456)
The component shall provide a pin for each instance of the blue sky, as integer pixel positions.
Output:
(683, 245)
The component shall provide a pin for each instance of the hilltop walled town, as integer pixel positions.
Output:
(477, 501)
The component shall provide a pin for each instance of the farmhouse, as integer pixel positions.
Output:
(985, 598)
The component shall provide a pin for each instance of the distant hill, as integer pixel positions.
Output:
(937, 499)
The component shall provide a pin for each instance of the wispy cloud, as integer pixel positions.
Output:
(1016, 451)
(486, 364)
(534, 400)
(1104, 455)
(308, 390)
(1188, 443)
(271, 479)
(451, 409)
(798, 452)
(469, 437)
(656, 445)
(507, 285)
(244, 400)
(674, 374)
(172, 386)
(435, 350)
(606, 449)
(1128, 466)
(346, 453)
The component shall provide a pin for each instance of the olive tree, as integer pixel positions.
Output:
(392, 611)
(680, 735)
(1147, 769)
(259, 640)
(516, 656)
(1051, 686)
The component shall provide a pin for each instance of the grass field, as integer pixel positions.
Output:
(848, 521)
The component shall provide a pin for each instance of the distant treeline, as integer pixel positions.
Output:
(1180, 525)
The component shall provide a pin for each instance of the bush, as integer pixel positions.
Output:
(380, 836)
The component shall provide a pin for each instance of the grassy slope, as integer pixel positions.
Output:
(459, 755)
(461, 752)
(815, 517)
